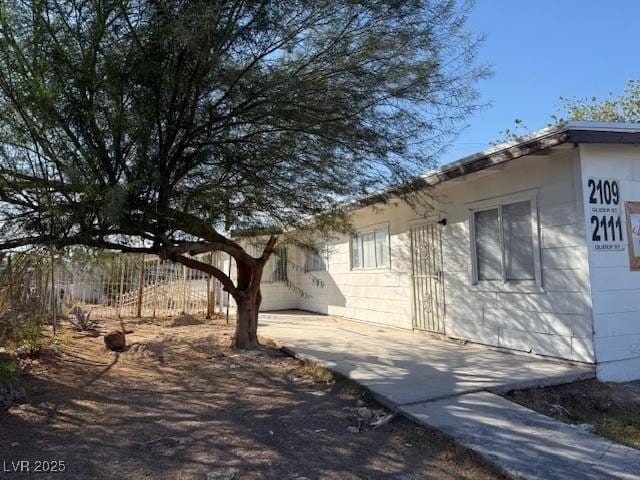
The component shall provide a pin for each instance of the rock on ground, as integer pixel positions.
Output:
(115, 341)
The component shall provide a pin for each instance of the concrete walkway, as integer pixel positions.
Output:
(405, 367)
(526, 443)
(447, 385)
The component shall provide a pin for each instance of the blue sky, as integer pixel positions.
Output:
(541, 50)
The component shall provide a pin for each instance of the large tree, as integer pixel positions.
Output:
(164, 126)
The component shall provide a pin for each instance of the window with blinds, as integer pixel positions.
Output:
(518, 241)
(488, 245)
(504, 243)
(370, 250)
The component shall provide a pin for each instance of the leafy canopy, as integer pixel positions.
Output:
(156, 125)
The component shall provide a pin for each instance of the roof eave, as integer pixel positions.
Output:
(568, 134)
(484, 161)
(550, 137)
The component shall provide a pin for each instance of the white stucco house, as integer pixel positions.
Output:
(531, 246)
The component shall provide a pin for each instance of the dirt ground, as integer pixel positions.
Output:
(180, 404)
(613, 409)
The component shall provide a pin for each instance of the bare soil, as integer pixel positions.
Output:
(180, 404)
(613, 409)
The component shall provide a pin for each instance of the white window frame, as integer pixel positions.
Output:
(498, 203)
(359, 234)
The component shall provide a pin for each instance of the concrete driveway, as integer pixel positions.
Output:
(448, 386)
(405, 367)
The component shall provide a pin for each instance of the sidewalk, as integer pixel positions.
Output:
(446, 385)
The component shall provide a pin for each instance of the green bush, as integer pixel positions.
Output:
(29, 335)
(63, 310)
(9, 368)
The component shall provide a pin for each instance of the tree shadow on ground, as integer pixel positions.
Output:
(204, 409)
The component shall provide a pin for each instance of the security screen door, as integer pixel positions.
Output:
(426, 266)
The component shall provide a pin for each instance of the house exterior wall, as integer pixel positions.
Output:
(554, 319)
(381, 296)
(615, 289)
(278, 296)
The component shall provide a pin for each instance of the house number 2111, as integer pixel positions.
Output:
(606, 227)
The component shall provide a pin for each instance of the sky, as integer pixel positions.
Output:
(541, 50)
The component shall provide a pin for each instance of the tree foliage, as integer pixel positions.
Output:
(160, 126)
(621, 108)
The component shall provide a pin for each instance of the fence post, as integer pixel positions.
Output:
(156, 287)
(219, 286)
(140, 287)
(184, 289)
(228, 296)
(211, 301)
(121, 287)
(54, 298)
(188, 280)
(214, 284)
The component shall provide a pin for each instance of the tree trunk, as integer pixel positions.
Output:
(247, 324)
(253, 327)
(246, 291)
(248, 305)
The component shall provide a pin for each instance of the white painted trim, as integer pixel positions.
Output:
(496, 203)
(512, 286)
(535, 231)
(579, 189)
(605, 126)
(472, 247)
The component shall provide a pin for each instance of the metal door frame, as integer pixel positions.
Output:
(421, 271)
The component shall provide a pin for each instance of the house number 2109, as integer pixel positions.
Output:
(604, 192)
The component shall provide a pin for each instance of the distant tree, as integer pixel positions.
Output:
(622, 108)
(179, 127)
(513, 134)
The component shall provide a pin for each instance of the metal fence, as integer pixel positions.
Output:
(117, 285)
(139, 286)
(107, 284)
(25, 289)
